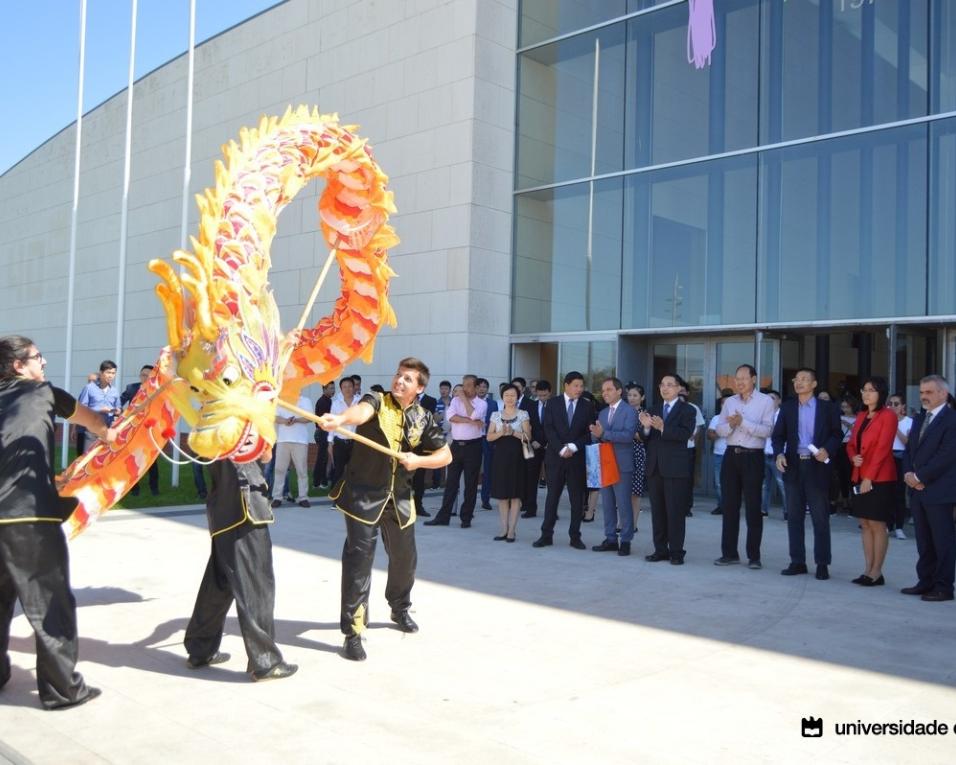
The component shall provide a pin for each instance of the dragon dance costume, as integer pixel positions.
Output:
(238, 512)
(376, 492)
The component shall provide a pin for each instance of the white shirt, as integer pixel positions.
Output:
(301, 432)
(699, 422)
(339, 406)
(904, 426)
(720, 443)
(768, 447)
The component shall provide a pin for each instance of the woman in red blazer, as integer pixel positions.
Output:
(870, 450)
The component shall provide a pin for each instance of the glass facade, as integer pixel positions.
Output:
(807, 174)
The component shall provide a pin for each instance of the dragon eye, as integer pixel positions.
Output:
(194, 389)
(229, 375)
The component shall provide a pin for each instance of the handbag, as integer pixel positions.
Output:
(527, 449)
(601, 465)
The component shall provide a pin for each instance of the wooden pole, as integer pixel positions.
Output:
(342, 431)
(315, 290)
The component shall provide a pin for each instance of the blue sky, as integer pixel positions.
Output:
(40, 50)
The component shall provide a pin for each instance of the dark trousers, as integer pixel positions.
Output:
(669, 513)
(200, 480)
(465, 458)
(692, 459)
(741, 477)
(35, 569)
(341, 452)
(358, 554)
(806, 491)
(935, 543)
(320, 469)
(80, 440)
(487, 458)
(529, 503)
(153, 479)
(563, 472)
(240, 569)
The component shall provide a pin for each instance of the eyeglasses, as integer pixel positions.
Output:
(35, 357)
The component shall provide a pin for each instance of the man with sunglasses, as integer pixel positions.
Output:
(34, 565)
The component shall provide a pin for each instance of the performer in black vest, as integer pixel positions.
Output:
(238, 511)
(34, 565)
(376, 491)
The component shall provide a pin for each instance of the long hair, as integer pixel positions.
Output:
(13, 348)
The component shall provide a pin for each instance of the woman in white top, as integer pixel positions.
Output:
(897, 403)
(508, 429)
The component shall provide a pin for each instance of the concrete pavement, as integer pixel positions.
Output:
(525, 656)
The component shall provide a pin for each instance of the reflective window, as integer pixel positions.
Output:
(675, 111)
(564, 132)
(843, 228)
(567, 273)
(541, 20)
(942, 242)
(943, 32)
(690, 235)
(595, 360)
(830, 66)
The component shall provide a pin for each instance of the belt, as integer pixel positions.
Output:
(743, 450)
(466, 441)
(806, 456)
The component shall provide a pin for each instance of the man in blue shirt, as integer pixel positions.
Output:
(102, 396)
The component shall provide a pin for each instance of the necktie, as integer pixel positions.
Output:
(610, 414)
(570, 410)
(667, 410)
(926, 422)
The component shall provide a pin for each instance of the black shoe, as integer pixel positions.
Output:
(796, 568)
(726, 561)
(91, 693)
(276, 502)
(436, 521)
(677, 560)
(936, 596)
(423, 513)
(288, 498)
(587, 520)
(917, 590)
(823, 572)
(870, 582)
(486, 506)
(511, 539)
(542, 485)
(657, 557)
(404, 621)
(353, 648)
(219, 657)
(501, 538)
(716, 511)
(529, 514)
(542, 541)
(863, 579)
(304, 503)
(577, 544)
(466, 524)
(624, 549)
(606, 546)
(754, 564)
(279, 671)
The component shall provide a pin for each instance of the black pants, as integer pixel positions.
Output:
(563, 472)
(240, 569)
(529, 503)
(320, 469)
(153, 479)
(80, 440)
(741, 475)
(899, 496)
(418, 488)
(465, 458)
(935, 543)
(804, 490)
(668, 513)
(358, 554)
(341, 452)
(35, 569)
(692, 459)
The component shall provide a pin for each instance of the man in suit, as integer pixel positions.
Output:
(665, 430)
(806, 433)
(539, 440)
(125, 397)
(616, 425)
(928, 465)
(429, 404)
(566, 422)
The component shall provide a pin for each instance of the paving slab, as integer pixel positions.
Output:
(524, 656)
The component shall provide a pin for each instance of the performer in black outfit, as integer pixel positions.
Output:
(34, 565)
(238, 511)
(376, 491)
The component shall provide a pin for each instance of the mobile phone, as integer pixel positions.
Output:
(856, 489)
